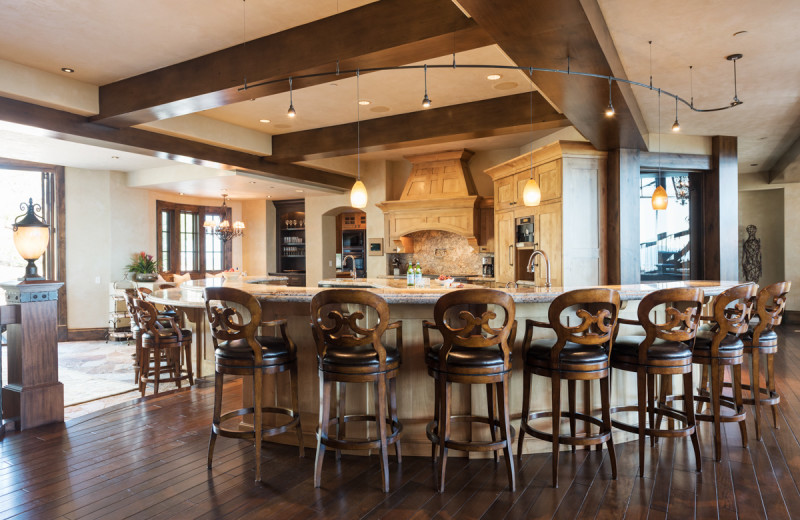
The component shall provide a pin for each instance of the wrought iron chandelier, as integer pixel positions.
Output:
(223, 229)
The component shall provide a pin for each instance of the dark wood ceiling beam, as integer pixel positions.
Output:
(490, 117)
(385, 34)
(76, 128)
(543, 33)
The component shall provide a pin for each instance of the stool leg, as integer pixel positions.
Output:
(258, 383)
(444, 427)
(716, 390)
(293, 383)
(157, 368)
(641, 408)
(380, 418)
(324, 418)
(688, 405)
(755, 389)
(491, 398)
(704, 380)
(437, 399)
(571, 406)
(218, 380)
(393, 411)
(605, 405)
(587, 410)
(737, 397)
(188, 350)
(651, 405)
(526, 401)
(341, 425)
(505, 431)
(771, 387)
(555, 381)
(144, 370)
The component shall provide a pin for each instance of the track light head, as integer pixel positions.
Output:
(676, 127)
(291, 112)
(610, 110)
(426, 101)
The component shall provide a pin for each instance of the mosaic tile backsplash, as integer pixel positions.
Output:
(439, 252)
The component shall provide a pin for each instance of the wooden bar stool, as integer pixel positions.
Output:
(235, 316)
(665, 350)
(165, 347)
(722, 347)
(349, 352)
(762, 339)
(471, 352)
(579, 353)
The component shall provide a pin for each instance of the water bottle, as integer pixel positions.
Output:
(418, 276)
(410, 276)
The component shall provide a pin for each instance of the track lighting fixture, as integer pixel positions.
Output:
(610, 108)
(426, 101)
(531, 193)
(676, 126)
(358, 193)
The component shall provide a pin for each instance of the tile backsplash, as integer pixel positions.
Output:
(439, 252)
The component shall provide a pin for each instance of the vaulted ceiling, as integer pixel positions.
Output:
(165, 80)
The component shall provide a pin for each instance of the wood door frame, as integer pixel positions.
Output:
(202, 211)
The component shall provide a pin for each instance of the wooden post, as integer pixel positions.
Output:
(623, 217)
(33, 395)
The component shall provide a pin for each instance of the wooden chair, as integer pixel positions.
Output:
(720, 347)
(578, 353)
(762, 339)
(164, 347)
(235, 317)
(349, 352)
(665, 350)
(471, 352)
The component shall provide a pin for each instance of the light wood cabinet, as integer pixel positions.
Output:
(568, 222)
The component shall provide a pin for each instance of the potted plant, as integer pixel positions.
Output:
(144, 267)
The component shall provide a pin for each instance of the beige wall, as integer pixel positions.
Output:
(254, 243)
(765, 210)
(791, 240)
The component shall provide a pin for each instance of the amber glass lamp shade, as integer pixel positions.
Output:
(358, 195)
(31, 237)
(659, 199)
(531, 194)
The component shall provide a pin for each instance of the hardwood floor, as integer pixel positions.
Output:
(146, 459)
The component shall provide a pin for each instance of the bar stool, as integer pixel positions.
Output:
(665, 350)
(349, 352)
(578, 353)
(471, 352)
(762, 339)
(720, 347)
(164, 347)
(235, 316)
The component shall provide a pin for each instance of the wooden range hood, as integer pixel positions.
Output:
(439, 195)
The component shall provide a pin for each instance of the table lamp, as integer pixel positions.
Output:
(31, 236)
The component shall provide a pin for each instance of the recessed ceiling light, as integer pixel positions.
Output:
(364, 102)
(181, 193)
(115, 156)
(252, 182)
(68, 70)
(264, 120)
(269, 196)
(493, 77)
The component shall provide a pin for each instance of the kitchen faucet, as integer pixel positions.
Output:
(353, 273)
(546, 264)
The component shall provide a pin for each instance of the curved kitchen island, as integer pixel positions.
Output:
(415, 389)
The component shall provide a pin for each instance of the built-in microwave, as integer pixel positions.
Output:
(524, 232)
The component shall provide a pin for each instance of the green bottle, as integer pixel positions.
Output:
(418, 276)
(410, 276)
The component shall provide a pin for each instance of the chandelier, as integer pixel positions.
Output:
(681, 185)
(223, 229)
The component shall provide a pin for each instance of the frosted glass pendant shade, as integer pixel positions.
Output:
(531, 194)
(358, 195)
(660, 198)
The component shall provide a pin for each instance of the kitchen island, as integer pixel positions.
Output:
(415, 389)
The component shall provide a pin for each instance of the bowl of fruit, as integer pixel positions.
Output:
(444, 280)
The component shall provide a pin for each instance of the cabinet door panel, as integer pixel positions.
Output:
(504, 248)
(548, 237)
(505, 193)
(549, 178)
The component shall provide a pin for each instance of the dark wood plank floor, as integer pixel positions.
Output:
(147, 460)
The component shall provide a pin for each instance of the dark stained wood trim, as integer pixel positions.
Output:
(386, 33)
(61, 249)
(497, 116)
(720, 211)
(76, 128)
(544, 33)
(675, 161)
(92, 334)
(623, 217)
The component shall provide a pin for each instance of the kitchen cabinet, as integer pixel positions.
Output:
(291, 240)
(504, 254)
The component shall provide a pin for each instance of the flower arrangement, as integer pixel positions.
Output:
(142, 263)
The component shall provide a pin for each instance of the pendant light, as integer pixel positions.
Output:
(291, 112)
(676, 127)
(426, 101)
(659, 199)
(610, 108)
(531, 194)
(358, 193)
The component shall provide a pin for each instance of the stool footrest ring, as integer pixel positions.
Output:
(433, 436)
(598, 438)
(249, 433)
(362, 444)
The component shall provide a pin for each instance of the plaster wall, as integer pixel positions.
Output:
(764, 209)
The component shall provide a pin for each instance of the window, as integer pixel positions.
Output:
(667, 240)
(184, 245)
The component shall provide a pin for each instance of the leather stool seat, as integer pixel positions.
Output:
(360, 356)
(628, 346)
(767, 338)
(273, 350)
(729, 343)
(166, 334)
(571, 354)
(465, 357)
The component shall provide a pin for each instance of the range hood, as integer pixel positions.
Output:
(439, 195)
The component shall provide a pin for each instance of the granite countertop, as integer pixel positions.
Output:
(474, 277)
(395, 291)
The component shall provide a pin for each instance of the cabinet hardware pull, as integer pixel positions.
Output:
(510, 255)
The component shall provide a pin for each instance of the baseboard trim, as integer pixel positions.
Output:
(791, 317)
(86, 334)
